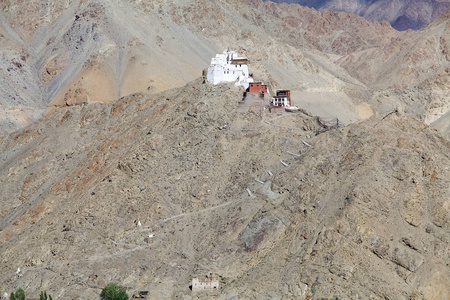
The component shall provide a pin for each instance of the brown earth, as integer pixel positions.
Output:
(149, 46)
(360, 212)
(402, 14)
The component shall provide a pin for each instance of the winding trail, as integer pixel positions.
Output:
(123, 252)
(270, 122)
(148, 228)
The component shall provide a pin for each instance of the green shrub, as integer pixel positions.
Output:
(44, 296)
(18, 295)
(114, 292)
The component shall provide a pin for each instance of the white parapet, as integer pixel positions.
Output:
(229, 67)
(209, 282)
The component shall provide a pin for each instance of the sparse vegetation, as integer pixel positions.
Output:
(43, 296)
(114, 292)
(18, 295)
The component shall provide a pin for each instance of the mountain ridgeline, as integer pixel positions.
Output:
(99, 50)
(402, 15)
(358, 212)
(119, 163)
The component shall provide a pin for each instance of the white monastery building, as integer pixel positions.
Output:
(210, 282)
(229, 67)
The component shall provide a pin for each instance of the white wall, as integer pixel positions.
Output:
(284, 101)
(221, 70)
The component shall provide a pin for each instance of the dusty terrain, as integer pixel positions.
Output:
(403, 70)
(58, 54)
(360, 212)
(443, 125)
(403, 14)
(124, 132)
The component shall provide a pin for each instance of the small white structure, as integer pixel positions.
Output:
(149, 238)
(229, 67)
(291, 108)
(282, 99)
(210, 282)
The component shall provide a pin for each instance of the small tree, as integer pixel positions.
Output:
(44, 296)
(114, 292)
(18, 295)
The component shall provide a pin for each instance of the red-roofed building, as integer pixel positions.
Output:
(257, 87)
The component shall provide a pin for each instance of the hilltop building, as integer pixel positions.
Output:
(229, 67)
(256, 98)
(282, 99)
(209, 282)
(257, 87)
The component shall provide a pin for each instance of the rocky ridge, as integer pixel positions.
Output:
(405, 70)
(402, 15)
(359, 212)
(100, 50)
(277, 204)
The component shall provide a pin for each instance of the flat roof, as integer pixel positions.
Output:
(239, 60)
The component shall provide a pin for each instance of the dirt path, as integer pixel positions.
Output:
(123, 252)
(150, 227)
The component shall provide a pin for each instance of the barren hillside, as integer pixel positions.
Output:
(91, 51)
(64, 53)
(400, 70)
(142, 173)
(403, 14)
(361, 212)
(58, 54)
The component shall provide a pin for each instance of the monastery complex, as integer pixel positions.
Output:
(230, 67)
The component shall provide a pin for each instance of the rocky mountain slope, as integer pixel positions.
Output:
(275, 208)
(58, 54)
(407, 70)
(443, 125)
(360, 212)
(402, 15)
(89, 51)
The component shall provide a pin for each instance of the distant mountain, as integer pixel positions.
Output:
(402, 14)
(84, 51)
(137, 177)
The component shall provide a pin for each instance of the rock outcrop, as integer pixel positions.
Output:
(79, 52)
(402, 14)
(359, 212)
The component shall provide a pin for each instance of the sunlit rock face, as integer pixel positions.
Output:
(402, 15)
